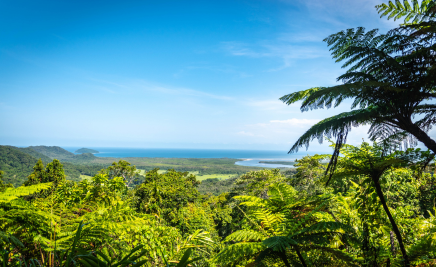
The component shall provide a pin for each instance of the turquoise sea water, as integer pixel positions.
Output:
(252, 157)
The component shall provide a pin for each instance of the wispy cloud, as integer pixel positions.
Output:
(222, 69)
(272, 49)
(179, 91)
(294, 122)
(284, 49)
(134, 86)
(275, 106)
(298, 42)
(335, 11)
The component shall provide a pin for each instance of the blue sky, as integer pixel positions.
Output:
(182, 74)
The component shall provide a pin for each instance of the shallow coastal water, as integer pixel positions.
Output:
(248, 157)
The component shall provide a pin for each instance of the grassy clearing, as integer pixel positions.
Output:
(212, 176)
(199, 177)
(87, 177)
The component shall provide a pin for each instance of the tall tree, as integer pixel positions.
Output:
(38, 175)
(122, 169)
(391, 78)
(54, 172)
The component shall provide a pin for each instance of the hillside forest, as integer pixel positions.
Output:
(371, 204)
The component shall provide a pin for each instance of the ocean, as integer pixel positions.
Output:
(251, 157)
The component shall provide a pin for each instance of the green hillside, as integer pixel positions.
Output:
(53, 152)
(34, 154)
(17, 164)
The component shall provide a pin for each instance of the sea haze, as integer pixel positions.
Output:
(251, 157)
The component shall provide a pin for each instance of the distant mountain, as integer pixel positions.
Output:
(55, 152)
(34, 154)
(86, 150)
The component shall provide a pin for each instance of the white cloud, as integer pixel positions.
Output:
(294, 122)
(281, 49)
(133, 86)
(275, 48)
(181, 91)
(227, 69)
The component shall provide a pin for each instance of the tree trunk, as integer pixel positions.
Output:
(421, 136)
(392, 243)
(284, 258)
(392, 221)
(300, 256)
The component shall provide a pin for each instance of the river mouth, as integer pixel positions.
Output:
(256, 163)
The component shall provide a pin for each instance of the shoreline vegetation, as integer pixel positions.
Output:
(291, 163)
(86, 165)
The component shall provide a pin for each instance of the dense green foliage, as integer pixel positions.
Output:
(216, 186)
(203, 166)
(17, 165)
(375, 207)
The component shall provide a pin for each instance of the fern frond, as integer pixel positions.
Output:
(326, 227)
(281, 194)
(8, 239)
(269, 220)
(245, 236)
(238, 251)
(336, 253)
(413, 12)
(279, 243)
(13, 193)
(422, 248)
(251, 201)
(334, 125)
(198, 239)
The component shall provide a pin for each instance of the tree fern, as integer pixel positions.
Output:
(388, 79)
(277, 231)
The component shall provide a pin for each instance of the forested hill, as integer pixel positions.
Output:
(86, 150)
(55, 152)
(34, 154)
(17, 164)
